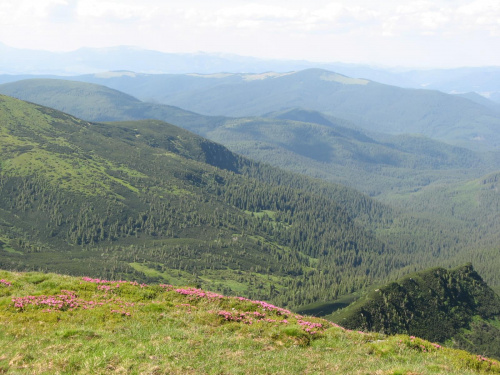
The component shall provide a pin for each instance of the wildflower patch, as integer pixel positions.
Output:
(67, 300)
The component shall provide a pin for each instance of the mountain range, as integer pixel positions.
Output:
(366, 196)
(481, 80)
(118, 187)
(369, 105)
(299, 140)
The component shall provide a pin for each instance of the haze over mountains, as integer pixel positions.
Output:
(369, 105)
(14, 61)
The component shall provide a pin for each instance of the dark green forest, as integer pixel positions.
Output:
(455, 307)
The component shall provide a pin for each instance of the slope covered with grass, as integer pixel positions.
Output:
(57, 324)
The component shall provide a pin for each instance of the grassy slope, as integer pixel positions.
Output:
(136, 329)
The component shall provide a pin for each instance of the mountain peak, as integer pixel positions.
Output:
(329, 76)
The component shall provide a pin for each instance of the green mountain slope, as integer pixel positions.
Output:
(92, 102)
(58, 324)
(454, 306)
(302, 141)
(477, 198)
(371, 105)
(155, 201)
(473, 208)
(475, 204)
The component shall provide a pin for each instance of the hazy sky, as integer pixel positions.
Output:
(437, 33)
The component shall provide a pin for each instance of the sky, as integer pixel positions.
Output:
(390, 33)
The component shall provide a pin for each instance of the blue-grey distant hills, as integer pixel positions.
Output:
(482, 80)
(304, 141)
(90, 60)
(370, 105)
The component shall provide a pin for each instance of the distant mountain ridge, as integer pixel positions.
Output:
(91, 60)
(368, 104)
(482, 80)
(373, 106)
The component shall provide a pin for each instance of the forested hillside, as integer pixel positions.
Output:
(453, 306)
(154, 202)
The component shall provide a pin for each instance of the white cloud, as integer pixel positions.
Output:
(26, 11)
(480, 15)
(480, 7)
(257, 11)
(111, 9)
(319, 29)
